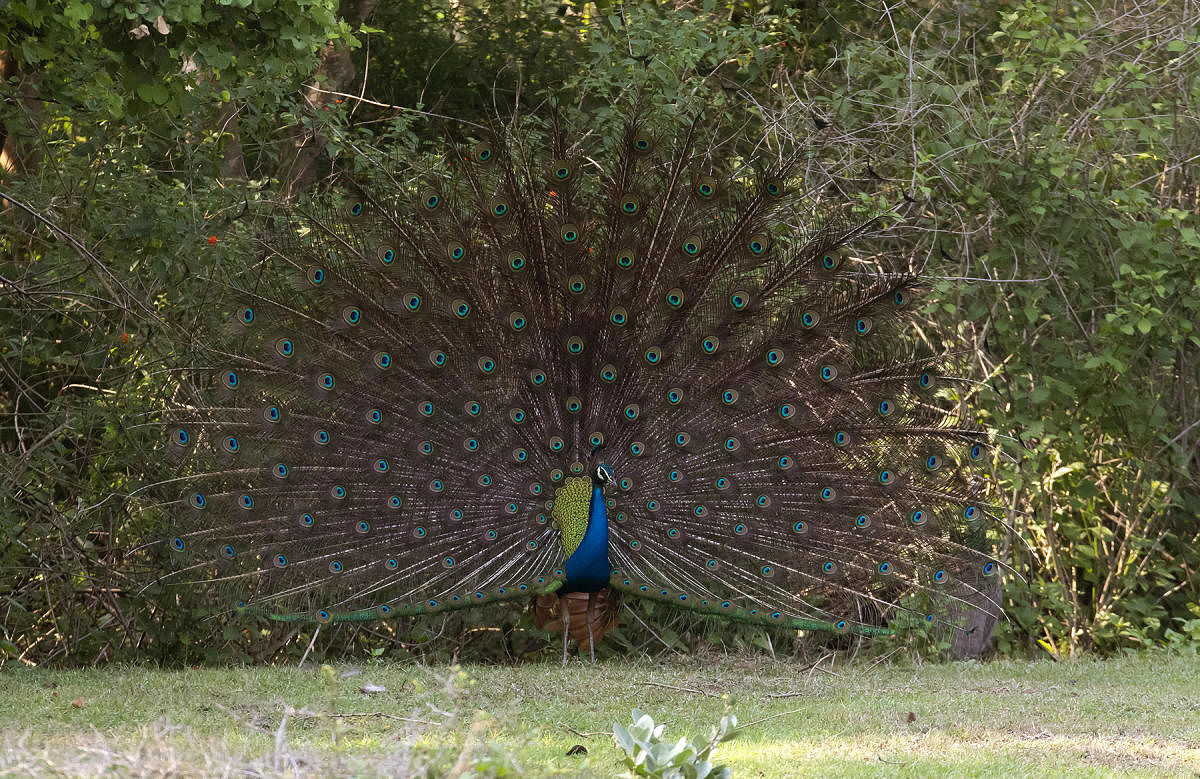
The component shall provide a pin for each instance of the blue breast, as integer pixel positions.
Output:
(588, 568)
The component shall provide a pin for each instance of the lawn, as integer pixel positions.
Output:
(1133, 715)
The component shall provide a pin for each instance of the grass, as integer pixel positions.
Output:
(1137, 715)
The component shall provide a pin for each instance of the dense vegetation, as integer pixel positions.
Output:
(1055, 144)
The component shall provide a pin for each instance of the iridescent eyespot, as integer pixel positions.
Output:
(828, 494)
(899, 298)
(374, 416)
(486, 364)
(320, 437)
(431, 200)
(337, 492)
(691, 245)
(352, 315)
(177, 544)
(739, 300)
(520, 455)
(472, 408)
(230, 379)
(608, 373)
(841, 438)
(774, 357)
(653, 355)
(674, 396)
(975, 452)
(730, 397)
(810, 319)
(575, 284)
(886, 476)
(989, 569)
(675, 297)
(773, 188)
(272, 414)
(568, 233)
(386, 256)
(619, 316)
(763, 501)
(557, 443)
(925, 380)
(862, 521)
(700, 511)
(828, 373)
(516, 261)
(335, 567)
(675, 476)
(740, 529)
(829, 567)
(380, 466)
(642, 143)
(829, 262)
(918, 517)
(574, 404)
(629, 205)
(460, 308)
(280, 471)
(682, 439)
(316, 276)
(625, 259)
(306, 520)
(575, 345)
(940, 577)
(595, 440)
(631, 411)
(516, 415)
(710, 344)
(425, 448)
(395, 502)
(517, 321)
(933, 462)
(437, 358)
(383, 360)
(706, 187)
(246, 315)
(425, 408)
(537, 377)
(412, 301)
(230, 444)
(326, 381)
(970, 512)
(673, 532)
(181, 438)
(787, 411)
(886, 407)
(800, 527)
(285, 348)
(498, 208)
(863, 326)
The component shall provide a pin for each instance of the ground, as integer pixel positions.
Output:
(1136, 715)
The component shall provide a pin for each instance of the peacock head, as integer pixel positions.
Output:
(603, 475)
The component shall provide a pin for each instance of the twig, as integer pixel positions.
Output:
(682, 689)
(581, 734)
(312, 641)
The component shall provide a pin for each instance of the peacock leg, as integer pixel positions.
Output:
(566, 620)
(591, 610)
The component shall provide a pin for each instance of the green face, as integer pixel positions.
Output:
(571, 503)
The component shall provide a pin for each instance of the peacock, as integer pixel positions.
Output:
(575, 361)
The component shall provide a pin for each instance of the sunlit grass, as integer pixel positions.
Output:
(1137, 715)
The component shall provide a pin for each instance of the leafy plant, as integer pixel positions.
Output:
(646, 754)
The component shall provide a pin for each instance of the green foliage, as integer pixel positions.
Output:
(646, 754)
(1053, 143)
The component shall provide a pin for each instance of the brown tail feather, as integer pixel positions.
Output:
(606, 613)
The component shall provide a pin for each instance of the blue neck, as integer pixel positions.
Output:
(588, 568)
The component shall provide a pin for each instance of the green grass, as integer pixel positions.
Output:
(1135, 715)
